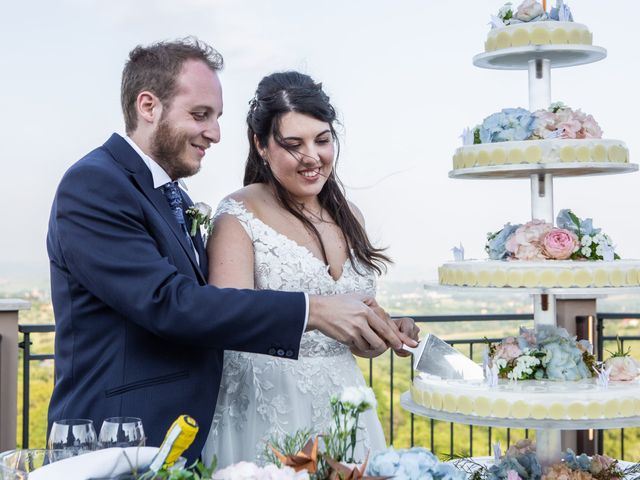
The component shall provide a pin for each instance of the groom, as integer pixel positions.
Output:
(139, 332)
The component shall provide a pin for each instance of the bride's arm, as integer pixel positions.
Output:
(230, 254)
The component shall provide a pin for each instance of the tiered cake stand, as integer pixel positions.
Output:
(538, 60)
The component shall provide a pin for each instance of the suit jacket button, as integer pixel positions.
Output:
(280, 352)
(289, 353)
(272, 351)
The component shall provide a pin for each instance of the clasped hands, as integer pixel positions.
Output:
(359, 322)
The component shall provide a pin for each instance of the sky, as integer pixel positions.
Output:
(399, 73)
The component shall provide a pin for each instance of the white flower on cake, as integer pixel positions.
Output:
(523, 367)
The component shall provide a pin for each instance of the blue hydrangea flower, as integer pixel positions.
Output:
(384, 463)
(584, 227)
(412, 464)
(495, 246)
(510, 124)
(574, 462)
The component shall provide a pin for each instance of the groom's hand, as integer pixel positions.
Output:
(357, 321)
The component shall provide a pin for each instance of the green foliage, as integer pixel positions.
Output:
(287, 445)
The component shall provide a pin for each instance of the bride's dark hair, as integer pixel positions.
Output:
(276, 95)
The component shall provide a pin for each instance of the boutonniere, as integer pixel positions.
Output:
(200, 215)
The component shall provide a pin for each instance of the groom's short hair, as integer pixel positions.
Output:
(156, 68)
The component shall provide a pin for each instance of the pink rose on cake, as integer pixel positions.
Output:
(508, 349)
(559, 244)
(621, 365)
(622, 368)
(526, 242)
(591, 128)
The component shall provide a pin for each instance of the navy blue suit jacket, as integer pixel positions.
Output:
(138, 330)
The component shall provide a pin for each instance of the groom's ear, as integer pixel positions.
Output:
(148, 106)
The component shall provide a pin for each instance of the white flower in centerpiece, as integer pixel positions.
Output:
(586, 241)
(586, 251)
(359, 398)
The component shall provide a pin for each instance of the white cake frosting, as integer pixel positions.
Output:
(538, 33)
(538, 399)
(541, 151)
(541, 274)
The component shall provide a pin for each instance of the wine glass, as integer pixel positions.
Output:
(75, 435)
(17, 464)
(121, 432)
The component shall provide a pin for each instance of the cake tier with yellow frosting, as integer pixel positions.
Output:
(541, 274)
(537, 399)
(538, 33)
(541, 152)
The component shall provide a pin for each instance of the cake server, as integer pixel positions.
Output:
(436, 357)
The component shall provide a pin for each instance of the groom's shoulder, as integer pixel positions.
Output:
(99, 161)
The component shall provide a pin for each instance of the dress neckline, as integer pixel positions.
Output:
(308, 252)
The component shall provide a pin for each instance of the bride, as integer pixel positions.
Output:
(290, 228)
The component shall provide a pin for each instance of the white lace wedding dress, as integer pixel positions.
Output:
(262, 397)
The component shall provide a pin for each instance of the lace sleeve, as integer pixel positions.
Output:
(236, 208)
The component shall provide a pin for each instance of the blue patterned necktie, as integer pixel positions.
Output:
(172, 194)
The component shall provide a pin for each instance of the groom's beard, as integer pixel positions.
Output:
(168, 148)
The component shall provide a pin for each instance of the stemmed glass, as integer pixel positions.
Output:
(121, 432)
(75, 435)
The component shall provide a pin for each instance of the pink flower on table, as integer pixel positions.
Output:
(600, 463)
(622, 368)
(513, 475)
(559, 243)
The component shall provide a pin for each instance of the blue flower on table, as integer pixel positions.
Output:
(384, 463)
(577, 462)
(446, 471)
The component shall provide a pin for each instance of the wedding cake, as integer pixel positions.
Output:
(533, 375)
(530, 24)
(516, 136)
(573, 254)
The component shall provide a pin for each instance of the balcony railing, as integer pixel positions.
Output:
(440, 437)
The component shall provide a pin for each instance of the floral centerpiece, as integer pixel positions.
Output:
(547, 352)
(519, 124)
(412, 464)
(573, 238)
(530, 11)
(520, 463)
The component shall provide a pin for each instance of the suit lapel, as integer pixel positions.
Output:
(129, 159)
(197, 238)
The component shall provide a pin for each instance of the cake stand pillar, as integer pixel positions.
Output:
(548, 446)
(544, 309)
(542, 197)
(539, 84)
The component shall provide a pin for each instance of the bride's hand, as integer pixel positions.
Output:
(372, 353)
(408, 327)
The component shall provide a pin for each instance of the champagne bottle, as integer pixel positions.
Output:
(179, 437)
